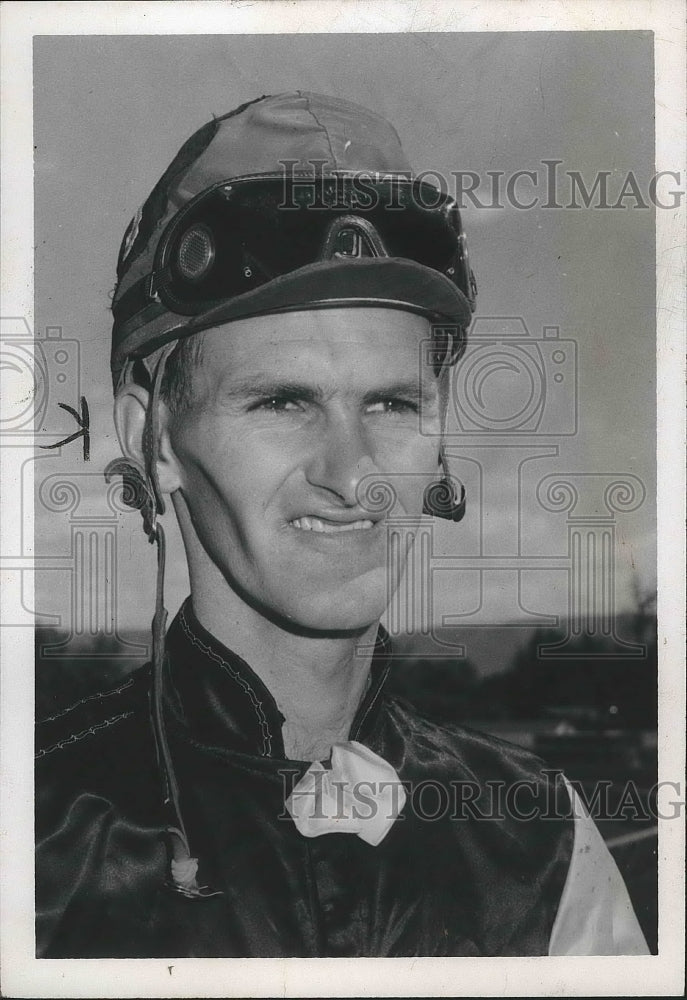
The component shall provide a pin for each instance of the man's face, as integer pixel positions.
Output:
(290, 414)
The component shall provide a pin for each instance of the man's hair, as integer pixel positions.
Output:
(176, 388)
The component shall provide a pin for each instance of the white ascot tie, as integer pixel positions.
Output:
(360, 793)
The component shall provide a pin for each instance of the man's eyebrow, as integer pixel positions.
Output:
(418, 392)
(266, 387)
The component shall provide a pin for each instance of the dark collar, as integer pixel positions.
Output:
(222, 702)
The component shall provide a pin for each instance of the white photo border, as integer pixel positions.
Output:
(22, 974)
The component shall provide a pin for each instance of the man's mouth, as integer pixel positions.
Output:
(329, 527)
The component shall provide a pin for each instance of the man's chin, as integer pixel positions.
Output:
(350, 610)
(335, 621)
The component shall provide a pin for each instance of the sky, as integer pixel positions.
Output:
(111, 112)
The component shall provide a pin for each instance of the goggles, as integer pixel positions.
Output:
(244, 233)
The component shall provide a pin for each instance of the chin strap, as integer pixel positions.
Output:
(142, 491)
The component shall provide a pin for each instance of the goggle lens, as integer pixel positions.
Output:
(240, 235)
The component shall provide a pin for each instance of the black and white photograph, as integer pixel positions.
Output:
(343, 508)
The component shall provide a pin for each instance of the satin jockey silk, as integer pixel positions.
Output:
(438, 882)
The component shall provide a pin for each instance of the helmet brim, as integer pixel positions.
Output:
(388, 282)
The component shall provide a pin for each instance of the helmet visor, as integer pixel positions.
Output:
(242, 234)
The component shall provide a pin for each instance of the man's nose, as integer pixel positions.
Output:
(343, 455)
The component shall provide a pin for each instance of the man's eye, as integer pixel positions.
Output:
(393, 405)
(277, 404)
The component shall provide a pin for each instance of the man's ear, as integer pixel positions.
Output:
(131, 404)
(130, 407)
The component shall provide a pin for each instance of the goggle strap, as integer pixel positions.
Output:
(170, 787)
(152, 427)
(151, 451)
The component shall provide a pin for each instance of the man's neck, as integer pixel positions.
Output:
(317, 682)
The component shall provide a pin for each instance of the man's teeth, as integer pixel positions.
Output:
(315, 524)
